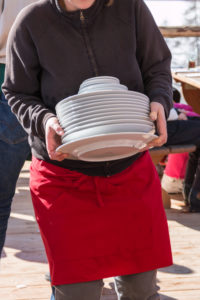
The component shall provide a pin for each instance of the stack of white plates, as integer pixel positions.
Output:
(105, 121)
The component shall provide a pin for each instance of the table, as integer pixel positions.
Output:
(190, 82)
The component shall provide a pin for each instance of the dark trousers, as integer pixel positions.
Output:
(182, 132)
(14, 150)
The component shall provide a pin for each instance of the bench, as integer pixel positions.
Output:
(158, 153)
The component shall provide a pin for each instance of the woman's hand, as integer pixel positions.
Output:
(157, 114)
(53, 133)
(182, 116)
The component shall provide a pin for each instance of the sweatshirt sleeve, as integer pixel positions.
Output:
(154, 58)
(22, 80)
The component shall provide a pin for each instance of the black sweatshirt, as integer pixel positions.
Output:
(51, 52)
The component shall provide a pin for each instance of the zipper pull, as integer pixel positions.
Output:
(82, 18)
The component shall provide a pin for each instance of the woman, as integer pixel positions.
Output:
(96, 219)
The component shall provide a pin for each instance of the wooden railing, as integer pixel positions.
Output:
(181, 31)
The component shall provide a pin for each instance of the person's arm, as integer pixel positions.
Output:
(53, 133)
(22, 80)
(22, 89)
(154, 58)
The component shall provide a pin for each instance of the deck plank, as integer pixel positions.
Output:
(24, 264)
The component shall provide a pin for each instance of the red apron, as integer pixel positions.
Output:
(97, 227)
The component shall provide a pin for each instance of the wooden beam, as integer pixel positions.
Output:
(180, 31)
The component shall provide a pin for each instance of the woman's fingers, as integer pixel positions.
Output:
(56, 126)
(55, 155)
(54, 133)
(157, 115)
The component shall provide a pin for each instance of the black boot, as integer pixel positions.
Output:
(186, 191)
(194, 201)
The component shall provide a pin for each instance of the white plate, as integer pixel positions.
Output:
(103, 111)
(97, 82)
(99, 94)
(133, 99)
(100, 79)
(100, 113)
(106, 147)
(105, 129)
(105, 97)
(102, 87)
(90, 123)
(108, 96)
(140, 127)
(111, 101)
(99, 107)
(85, 125)
(69, 122)
(107, 116)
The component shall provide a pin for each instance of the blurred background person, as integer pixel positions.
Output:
(182, 171)
(14, 148)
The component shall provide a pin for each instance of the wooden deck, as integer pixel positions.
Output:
(23, 266)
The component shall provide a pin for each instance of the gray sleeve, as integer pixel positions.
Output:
(154, 58)
(22, 81)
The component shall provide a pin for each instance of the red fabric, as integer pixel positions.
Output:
(176, 165)
(97, 227)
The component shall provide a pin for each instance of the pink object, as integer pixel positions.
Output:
(176, 165)
(187, 108)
